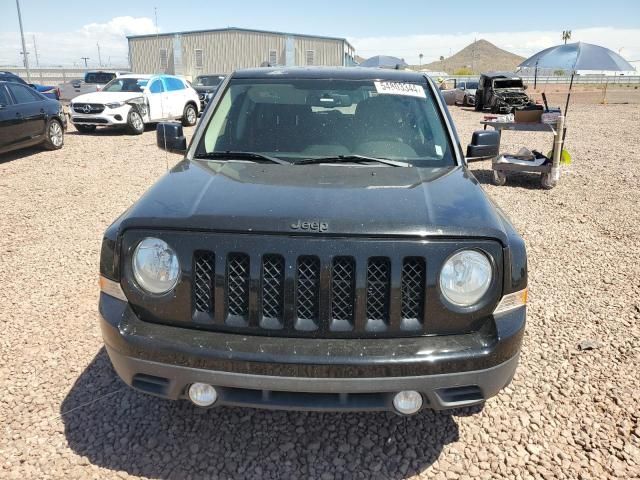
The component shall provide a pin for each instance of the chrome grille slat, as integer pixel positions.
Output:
(342, 289)
(203, 275)
(413, 286)
(308, 286)
(238, 284)
(378, 290)
(273, 289)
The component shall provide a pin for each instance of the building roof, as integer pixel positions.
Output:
(337, 73)
(237, 29)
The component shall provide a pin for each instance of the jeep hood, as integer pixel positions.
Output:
(369, 201)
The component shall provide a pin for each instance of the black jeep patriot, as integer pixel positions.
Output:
(322, 246)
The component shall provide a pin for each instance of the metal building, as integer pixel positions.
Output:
(227, 49)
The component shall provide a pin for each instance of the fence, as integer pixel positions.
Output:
(54, 76)
(564, 80)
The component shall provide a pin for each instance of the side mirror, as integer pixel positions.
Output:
(484, 144)
(169, 137)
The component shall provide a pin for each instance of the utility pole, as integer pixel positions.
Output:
(35, 49)
(24, 46)
(99, 56)
(473, 55)
(85, 61)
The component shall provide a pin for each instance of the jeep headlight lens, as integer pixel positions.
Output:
(155, 266)
(115, 104)
(465, 278)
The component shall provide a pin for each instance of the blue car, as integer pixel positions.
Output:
(46, 90)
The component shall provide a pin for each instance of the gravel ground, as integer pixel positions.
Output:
(569, 413)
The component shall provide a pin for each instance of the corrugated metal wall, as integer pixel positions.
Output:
(225, 51)
(144, 54)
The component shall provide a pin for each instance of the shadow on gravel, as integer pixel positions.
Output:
(120, 429)
(529, 181)
(22, 153)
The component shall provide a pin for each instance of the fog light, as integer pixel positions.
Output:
(203, 394)
(407, 402)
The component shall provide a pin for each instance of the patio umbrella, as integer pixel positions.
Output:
(577, 56)
(384, 61)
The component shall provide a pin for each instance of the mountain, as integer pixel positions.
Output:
(480, 56)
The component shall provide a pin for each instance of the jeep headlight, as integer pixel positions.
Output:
(155, 264)
(115, 104)
(465, 278)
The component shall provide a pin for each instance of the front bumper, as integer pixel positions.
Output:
(312, 374)
(108, 117)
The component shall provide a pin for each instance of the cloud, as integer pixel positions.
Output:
(66, 48)
(432, 46)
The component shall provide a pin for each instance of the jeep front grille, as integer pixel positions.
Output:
(315, 302)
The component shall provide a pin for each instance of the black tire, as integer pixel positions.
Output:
(189, 115)
(85, 128)
(499, 178)
(546, 181)
(135, 124)
(54, 135)
(478, 106)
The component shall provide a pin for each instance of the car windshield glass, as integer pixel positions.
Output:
(208, 81)
(314, 118)
(472, 85)
(125, 85)
(507, 83)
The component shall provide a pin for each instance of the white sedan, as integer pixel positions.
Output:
(135, 100)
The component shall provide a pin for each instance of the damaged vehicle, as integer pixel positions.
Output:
(321, 246)
(131, 101)
(500, 92)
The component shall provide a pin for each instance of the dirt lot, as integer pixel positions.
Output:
(568, 414)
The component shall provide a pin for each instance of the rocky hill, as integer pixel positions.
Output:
(480, 56)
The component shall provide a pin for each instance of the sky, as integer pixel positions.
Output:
(64, 32)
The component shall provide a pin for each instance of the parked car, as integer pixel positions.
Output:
(500, 92)
(93, 81)
(48, 91)
(465, 92)
(132, 101)
(322, 246)
(29, 118)
(207, 86)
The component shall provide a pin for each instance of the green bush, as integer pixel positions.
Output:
(463, 71)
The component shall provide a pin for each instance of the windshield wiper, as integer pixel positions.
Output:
(228, 154)
(352, 159)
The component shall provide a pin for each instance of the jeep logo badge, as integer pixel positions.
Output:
(310, 226)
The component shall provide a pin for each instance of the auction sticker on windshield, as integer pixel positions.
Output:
(400, 88)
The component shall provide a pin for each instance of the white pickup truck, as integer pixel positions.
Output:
(132, 101)
(93, 81)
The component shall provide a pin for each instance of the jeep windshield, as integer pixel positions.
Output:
(330, 121)
(125, 85)
(508, 83)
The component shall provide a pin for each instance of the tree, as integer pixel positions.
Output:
(566, 35)
(559, 73)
